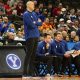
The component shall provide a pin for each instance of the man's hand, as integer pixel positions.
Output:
(5, 25)
(46, 54)
(75, 52)
(39, 20)
(67, 55)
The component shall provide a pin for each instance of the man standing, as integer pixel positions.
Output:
(31, 23)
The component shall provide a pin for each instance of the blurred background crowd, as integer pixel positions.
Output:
(56, 15)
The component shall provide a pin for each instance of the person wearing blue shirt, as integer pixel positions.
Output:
(58, 49)
(0, 25)
(5, 24)
(76, 46)
(31, 23)
(43, 51)
(76, 60)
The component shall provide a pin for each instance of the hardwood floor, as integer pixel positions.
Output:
(10, 78)
(44, 78)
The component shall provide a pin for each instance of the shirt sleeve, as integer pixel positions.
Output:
(37, 22)
(53, 51)
(39, 50)
(28, 21)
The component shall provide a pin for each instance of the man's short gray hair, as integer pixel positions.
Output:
(29, 2)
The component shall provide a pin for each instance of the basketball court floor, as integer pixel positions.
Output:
(45, 78)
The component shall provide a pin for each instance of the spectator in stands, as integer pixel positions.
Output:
(63, 14)
(64, 34)
(51, 20)
(8, 9)
(75, 25)
(49, 10)
(0, 25)
(5, 24)
(22, 29)
(67, 38)
(57, 2)
(19, 36)
(10, 39)
(46, 25)
(72, 15)
(69, 24)
(43, 54)
(20, 8)
(45, 2)
(76, 38)
(72, 35)
(62, 26)
(56, 11)
(41, 6)
(14, 11)
(2, 10)
(11, 28)
(12, 2)
(71, 42)
(44, 15)
(76, 59)
(35, 2)
(78, 14)
(39, 14)
(0, 19)
(61, 22)
(78, 33)
(37, 11)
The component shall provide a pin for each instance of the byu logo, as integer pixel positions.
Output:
(13, 61)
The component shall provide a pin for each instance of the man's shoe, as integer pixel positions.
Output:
(70, 74)
(24, 77)
(55, 74)
(47, 75)
(59, 75)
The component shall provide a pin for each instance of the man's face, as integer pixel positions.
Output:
(47, 20)
(5, 19)
(31, 6)
(59, 37)
(73, 34)
(41, 5)
(48, 39)
(10, 35)
(76, 23)
(0, 20)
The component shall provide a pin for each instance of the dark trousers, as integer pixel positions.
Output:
(76, 61)
(45, 60)
(57, 62)
(66, 63)
(31, 46)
